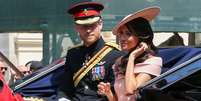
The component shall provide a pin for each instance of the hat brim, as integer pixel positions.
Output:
(148, 13)
(87, 21)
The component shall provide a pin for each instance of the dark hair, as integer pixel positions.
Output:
(141, 28)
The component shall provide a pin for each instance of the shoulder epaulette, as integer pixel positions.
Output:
(75, 46)
(114, 45)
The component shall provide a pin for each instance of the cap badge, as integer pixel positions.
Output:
(85, 11)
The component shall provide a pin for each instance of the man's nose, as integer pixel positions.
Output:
(88, 30)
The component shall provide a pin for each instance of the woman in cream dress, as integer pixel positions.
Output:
(141, 63)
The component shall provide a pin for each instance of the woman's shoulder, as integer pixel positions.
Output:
(152, 66)
(154, 60)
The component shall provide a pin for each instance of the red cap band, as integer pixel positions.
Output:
(86, 13)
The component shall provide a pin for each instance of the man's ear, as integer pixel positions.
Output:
(101, 23)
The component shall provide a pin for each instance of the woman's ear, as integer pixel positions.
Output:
(143, 44)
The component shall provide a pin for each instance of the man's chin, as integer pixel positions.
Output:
(89, 42)
(91, 39)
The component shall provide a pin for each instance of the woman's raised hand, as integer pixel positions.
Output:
(141, 48)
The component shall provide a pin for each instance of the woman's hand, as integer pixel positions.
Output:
(141, 48)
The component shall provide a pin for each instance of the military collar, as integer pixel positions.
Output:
(95, 47)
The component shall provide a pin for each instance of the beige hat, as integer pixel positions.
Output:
(148, 13)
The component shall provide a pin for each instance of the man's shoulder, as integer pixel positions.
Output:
(113, 45)
(74, 51)
(75, 47)
(116, 52)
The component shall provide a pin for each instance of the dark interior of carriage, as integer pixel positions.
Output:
(49, 17)
(179, 80)
(179, 83)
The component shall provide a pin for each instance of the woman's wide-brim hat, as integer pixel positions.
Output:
(148, 13)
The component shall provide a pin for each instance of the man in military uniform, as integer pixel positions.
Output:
(88, 64)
